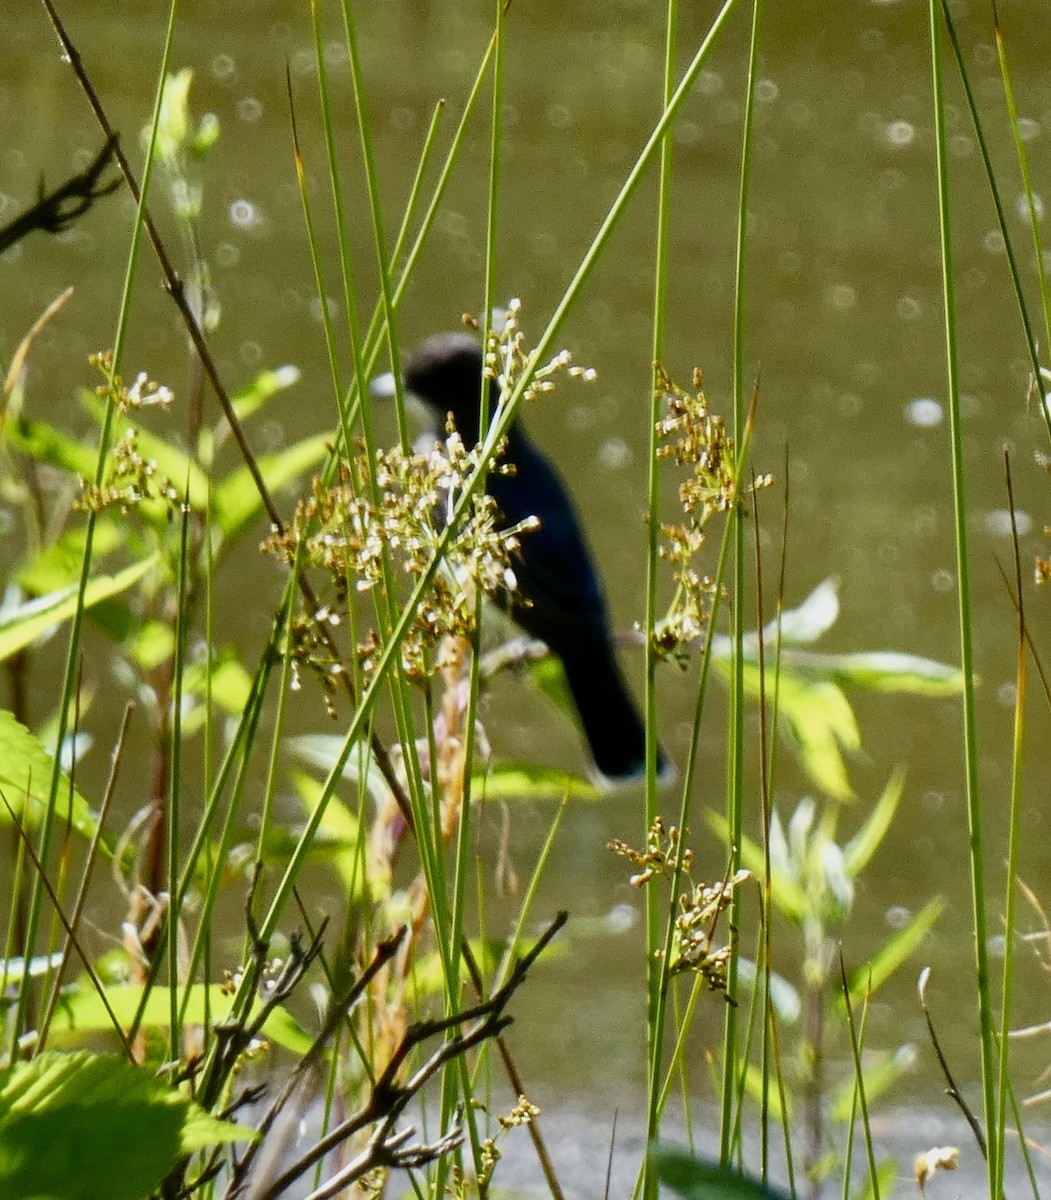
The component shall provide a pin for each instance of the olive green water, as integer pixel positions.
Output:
(844, 324)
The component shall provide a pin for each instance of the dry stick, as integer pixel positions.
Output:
(175, 288)
(388, 1099)
(57, 210)
(516, 1083)
(952, 1091)
(383, 954)
(96, 841)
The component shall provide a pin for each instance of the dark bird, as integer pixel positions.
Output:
(559, 598)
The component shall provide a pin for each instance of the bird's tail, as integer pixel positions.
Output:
(610, 720)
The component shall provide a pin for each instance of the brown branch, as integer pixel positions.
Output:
(56, 211)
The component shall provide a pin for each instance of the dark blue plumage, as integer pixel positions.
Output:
(559, 598)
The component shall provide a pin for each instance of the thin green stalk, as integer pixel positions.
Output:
(1031, 201)
(856, 1041)
(654, 908)
(994, 188)
(175, 787)
(105, 438)
(735, 756)
(963, 586)
(1014, 837)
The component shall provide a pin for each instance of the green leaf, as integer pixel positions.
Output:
(25, 772)
(45, 444)
(753, 1085)
(528, 781)
(23, 625)
(698, 1180)
(83, 1012)
(894, 953)
(236, 501)
(788, 896)
(265, 385)
(879, 1077)
(805, 624)
(859, 850)
(820, 723)
(879, 671)
(59, 564)
(89, 1126)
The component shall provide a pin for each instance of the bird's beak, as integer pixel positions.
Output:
(382, 387)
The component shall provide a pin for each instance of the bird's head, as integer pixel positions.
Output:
(445, 374)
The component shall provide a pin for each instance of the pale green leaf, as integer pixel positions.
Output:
(894, 953)
(21, 626)
(236, 501)
(859, 850)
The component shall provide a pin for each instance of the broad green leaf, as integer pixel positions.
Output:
(25, 771)
(859, 850)
(89, 1126)
(879, 671)
(82, 1011)
(58, 565)
(338, 839)
(784, 997)
(894, 953)
(235, 500)
(698, 1180)
(230, 683)
(815, 616)
(820, 724)
(45, 444)
(549, 677)
(22, 626)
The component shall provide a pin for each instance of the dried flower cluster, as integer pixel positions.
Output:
(131, 478)
(384, 521)
(700, 905)
(692, 436)
(506, 358)
(661, 856)
(143, 393)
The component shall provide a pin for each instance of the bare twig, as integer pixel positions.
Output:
(57, 210)
(388, 1098)
(951, 1090)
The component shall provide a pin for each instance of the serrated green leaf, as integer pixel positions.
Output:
(89, 1126)
(25, 773)
(21, 626)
